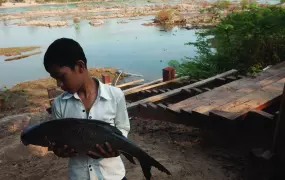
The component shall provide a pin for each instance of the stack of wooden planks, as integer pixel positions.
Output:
(234, 100)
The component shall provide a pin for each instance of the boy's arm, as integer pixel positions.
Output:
(122, 121)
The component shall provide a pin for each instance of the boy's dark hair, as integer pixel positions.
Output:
(64, 52)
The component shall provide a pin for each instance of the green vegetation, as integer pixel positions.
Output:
(222, 4)
(247, 41)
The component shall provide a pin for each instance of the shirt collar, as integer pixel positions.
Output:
(102, 92)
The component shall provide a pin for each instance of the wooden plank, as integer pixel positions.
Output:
(227, 96)
(148, 91)
(155, 91)
(155, 85)
(161, 90)
(258, 114)
(231, 91)
(176, 91)
(188, 91)
(207, 89)
(231, 78)
(130, 83)
(256, 100)
(143, 85)
(197, 90)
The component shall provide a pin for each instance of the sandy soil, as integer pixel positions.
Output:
(175, 146)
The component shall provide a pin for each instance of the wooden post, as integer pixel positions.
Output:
(106, 79)
(278, 146)
(1, 102)
(168, 74)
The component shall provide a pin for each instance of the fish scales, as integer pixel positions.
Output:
(82, 135)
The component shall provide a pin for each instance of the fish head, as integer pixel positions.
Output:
(32, 135)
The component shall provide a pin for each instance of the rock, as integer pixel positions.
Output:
(184, 6)
(96, 22)
(150, 24)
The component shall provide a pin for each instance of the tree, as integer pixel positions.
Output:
(247, 41)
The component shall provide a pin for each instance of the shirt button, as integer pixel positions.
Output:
(83, 110)
(90, 117)
(90, 166)
(90, 169)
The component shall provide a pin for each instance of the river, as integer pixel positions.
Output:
(130, 47)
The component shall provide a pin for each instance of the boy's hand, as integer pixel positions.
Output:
(103, 153)
(64, 152)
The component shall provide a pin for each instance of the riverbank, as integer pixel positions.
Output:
(32, 97)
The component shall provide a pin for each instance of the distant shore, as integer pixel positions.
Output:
(23, 4)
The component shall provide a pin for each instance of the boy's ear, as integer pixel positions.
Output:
(81, 65)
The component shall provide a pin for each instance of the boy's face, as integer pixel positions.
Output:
(67, 79)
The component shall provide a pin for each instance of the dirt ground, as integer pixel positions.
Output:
(177, 147)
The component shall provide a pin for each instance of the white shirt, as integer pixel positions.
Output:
(110, 107)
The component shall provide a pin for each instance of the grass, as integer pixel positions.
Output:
(13, 51)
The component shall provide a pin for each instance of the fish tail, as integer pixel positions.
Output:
(147, 163)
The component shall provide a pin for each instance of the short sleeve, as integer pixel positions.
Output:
(55, 113)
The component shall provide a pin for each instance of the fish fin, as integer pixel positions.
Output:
(146, 164)
(146, 167)
(129, 157)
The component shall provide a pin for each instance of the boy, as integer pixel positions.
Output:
(85, 97)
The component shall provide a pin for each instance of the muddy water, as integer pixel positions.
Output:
(130, 47)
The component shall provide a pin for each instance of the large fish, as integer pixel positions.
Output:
(82, 135)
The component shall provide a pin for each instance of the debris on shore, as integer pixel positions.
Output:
(96, 22)
(22, 56)
(13, 51)
(43, 23)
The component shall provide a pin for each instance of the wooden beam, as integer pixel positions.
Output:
(161, 90)
(155, 91)
(176, 91)
(130, 83)
(154, 86)
(143, 85)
